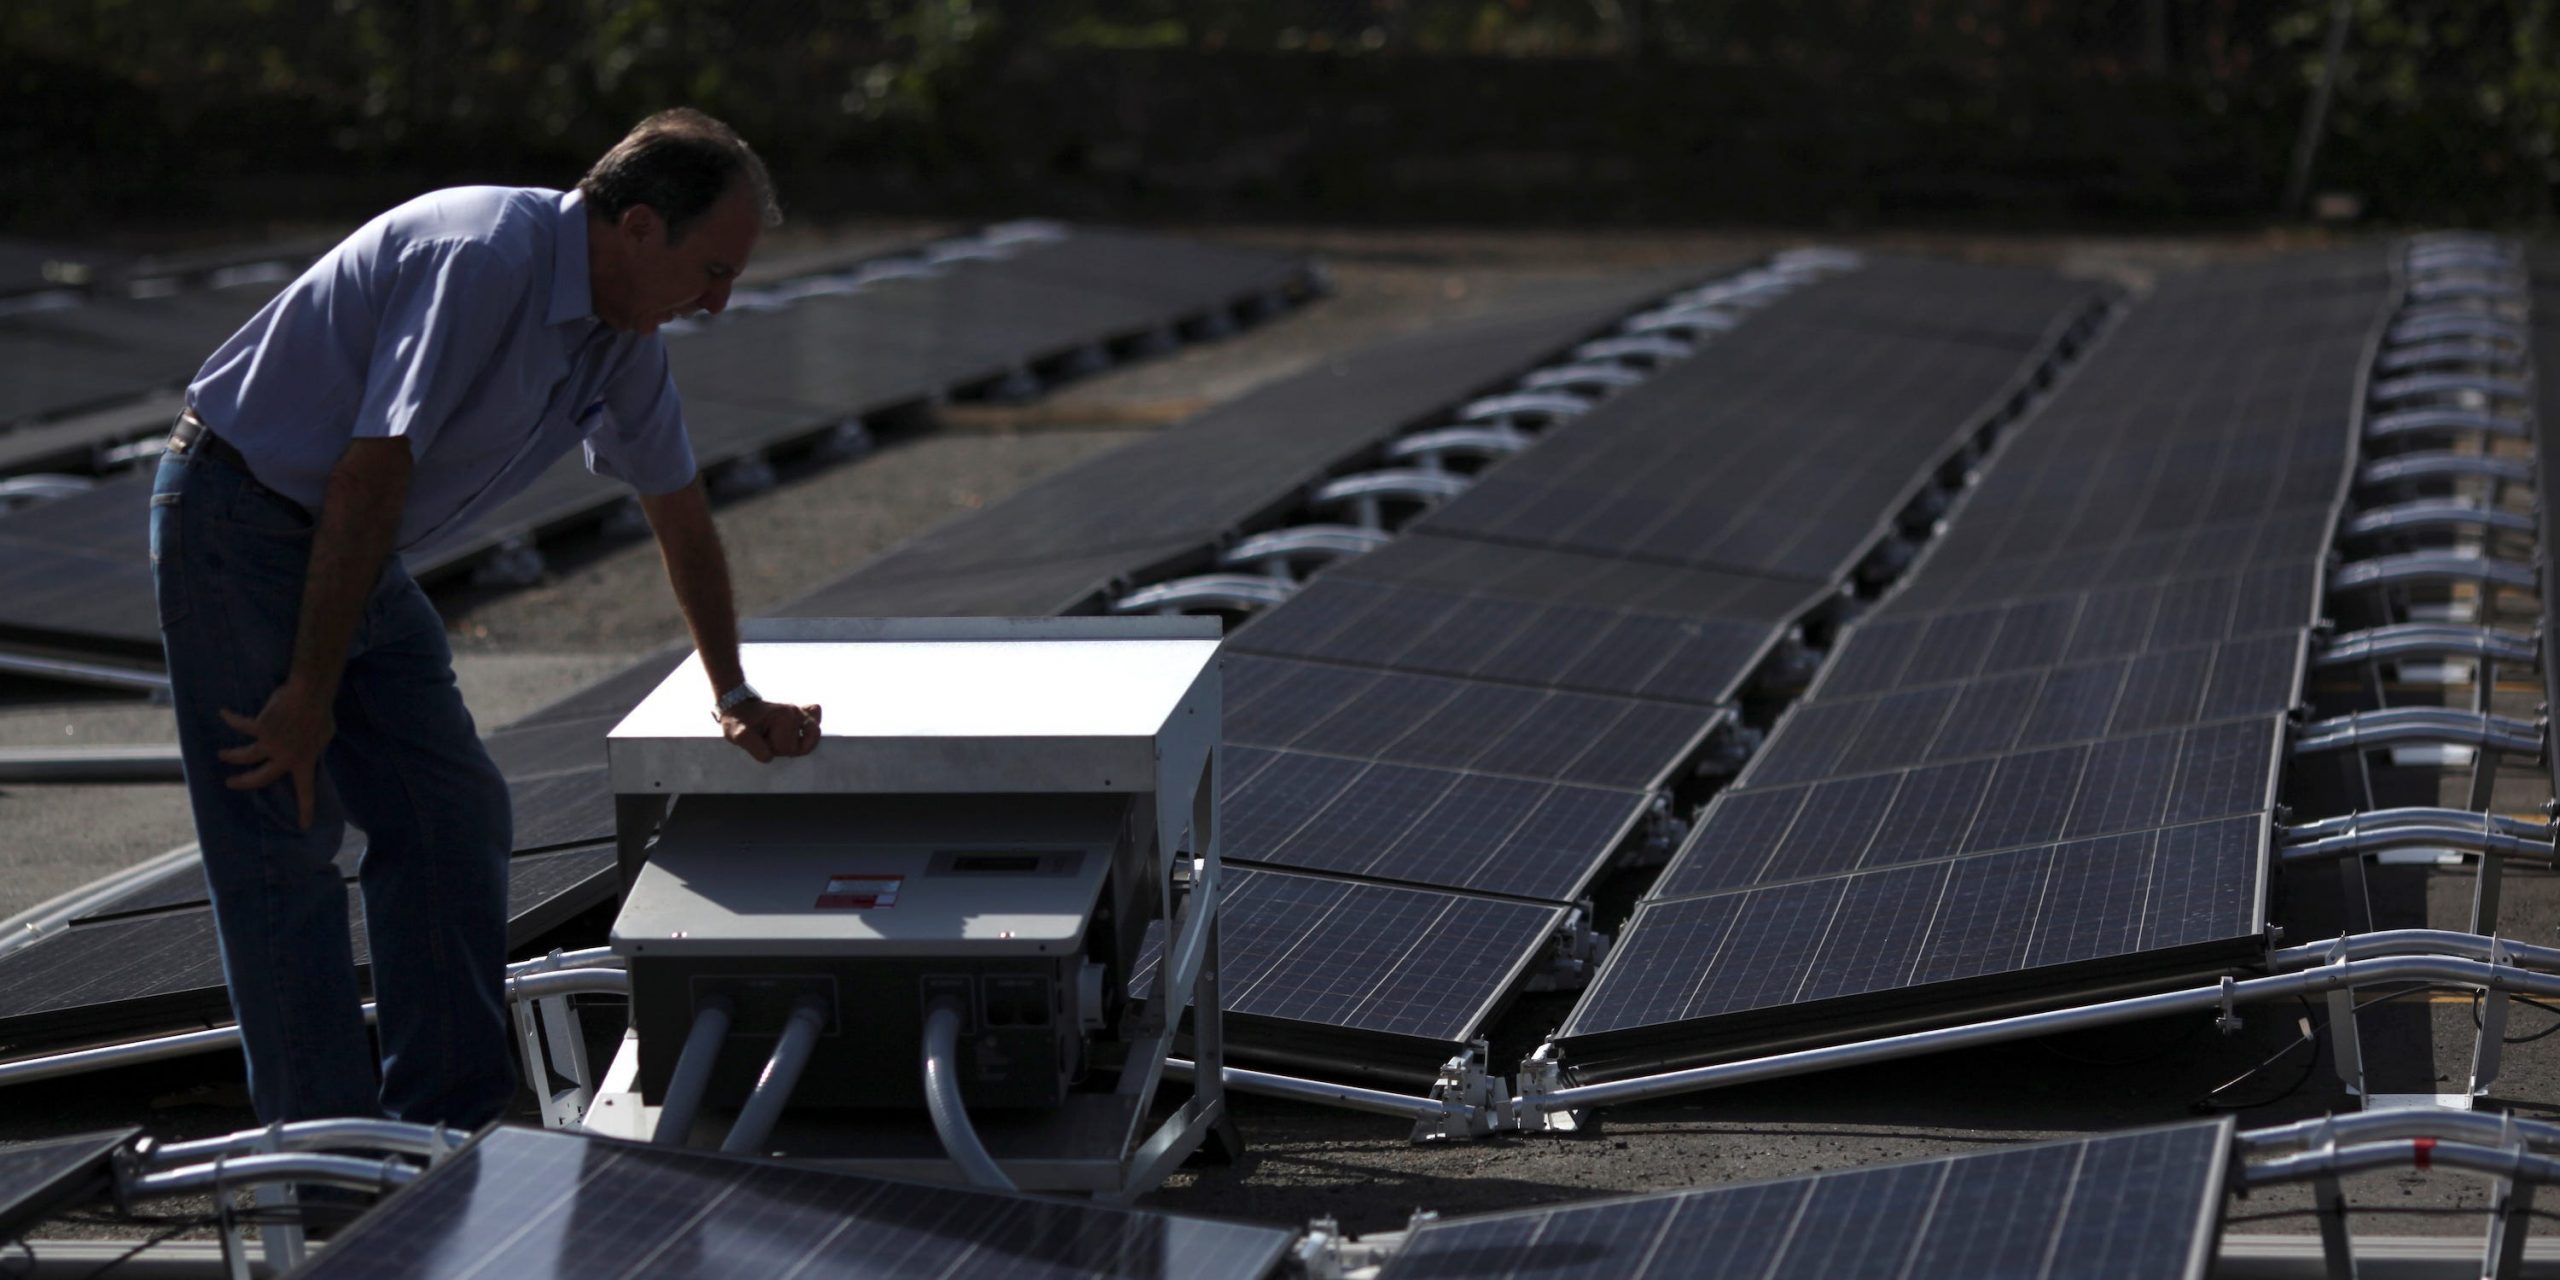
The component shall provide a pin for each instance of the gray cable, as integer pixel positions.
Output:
(942, 1098)
(781, 1075)
(693, 1073)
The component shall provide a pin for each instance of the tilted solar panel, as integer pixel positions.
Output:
(532, 1204)
(2145, 1205)
(1349, 977)
(2046, 763)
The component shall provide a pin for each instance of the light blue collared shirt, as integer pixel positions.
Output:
(462, 323)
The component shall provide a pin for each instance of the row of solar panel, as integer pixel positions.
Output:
(74, 572)
(1490, 703)
(2052, 752)
(2146, 1205)
(145, 959)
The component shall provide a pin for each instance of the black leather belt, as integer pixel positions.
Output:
(192, 436)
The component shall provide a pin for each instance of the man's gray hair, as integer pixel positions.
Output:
(678, 162)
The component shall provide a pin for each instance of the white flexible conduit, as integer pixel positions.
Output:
(942, 1098)
(781, 1076)
(693, 1073)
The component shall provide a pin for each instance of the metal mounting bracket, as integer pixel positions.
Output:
(1471, 1097)
(1541, 1073)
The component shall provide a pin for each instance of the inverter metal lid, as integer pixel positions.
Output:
(945, 705)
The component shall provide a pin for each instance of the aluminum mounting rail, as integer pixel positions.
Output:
(2381, 1126)
(2432, 514)
(2425, 640)
(2431, 421)
(1551, 406)
(145, 762)
(2415, 942)
(598, 972)
(1275, 551)
(2394, 726)
(284, 1166)
(1686, 321)
(2430, 386)
(2436, 464)
(431, 1141)
(2382, 819)
(2451, 353)
(1643, 350)
(41, 487)
(2431, 568)
(2344, 975)
(1363, 491)
(2417, 1152)
(74, 671)
(1430, 449)
(2476, 838)
(1239, 591)
(1590, 377)
(2458, 324)
(2467, 289)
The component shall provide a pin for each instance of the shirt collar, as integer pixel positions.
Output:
(572, 293)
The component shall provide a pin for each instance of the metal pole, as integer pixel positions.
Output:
(2315, 122)
(2381, 1126)
(527, 986)
(283, 1166)
(2342, 975)
(311, 1135)
(1322, 1092)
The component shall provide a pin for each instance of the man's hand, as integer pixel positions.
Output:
(768, 729)
(285, 742)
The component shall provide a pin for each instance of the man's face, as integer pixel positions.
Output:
(644, 281)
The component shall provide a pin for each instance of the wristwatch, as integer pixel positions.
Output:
(740, 697)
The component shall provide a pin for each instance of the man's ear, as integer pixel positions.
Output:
(640, 224)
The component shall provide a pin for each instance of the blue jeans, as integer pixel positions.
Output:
(228, 559)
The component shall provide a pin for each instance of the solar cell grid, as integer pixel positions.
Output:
(1415, 969)
(1761, 834)
(1460, 724)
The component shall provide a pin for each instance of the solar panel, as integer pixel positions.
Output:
(1459, 724)
(532, 1204)
(2144, 1205)
(38, 1179)
(1374, 979)
(1511, 836)
(1769, 959)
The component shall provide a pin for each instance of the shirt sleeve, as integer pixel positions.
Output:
(447, 312)
(640, 439)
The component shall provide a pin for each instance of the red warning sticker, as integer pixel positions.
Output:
(859, 893)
